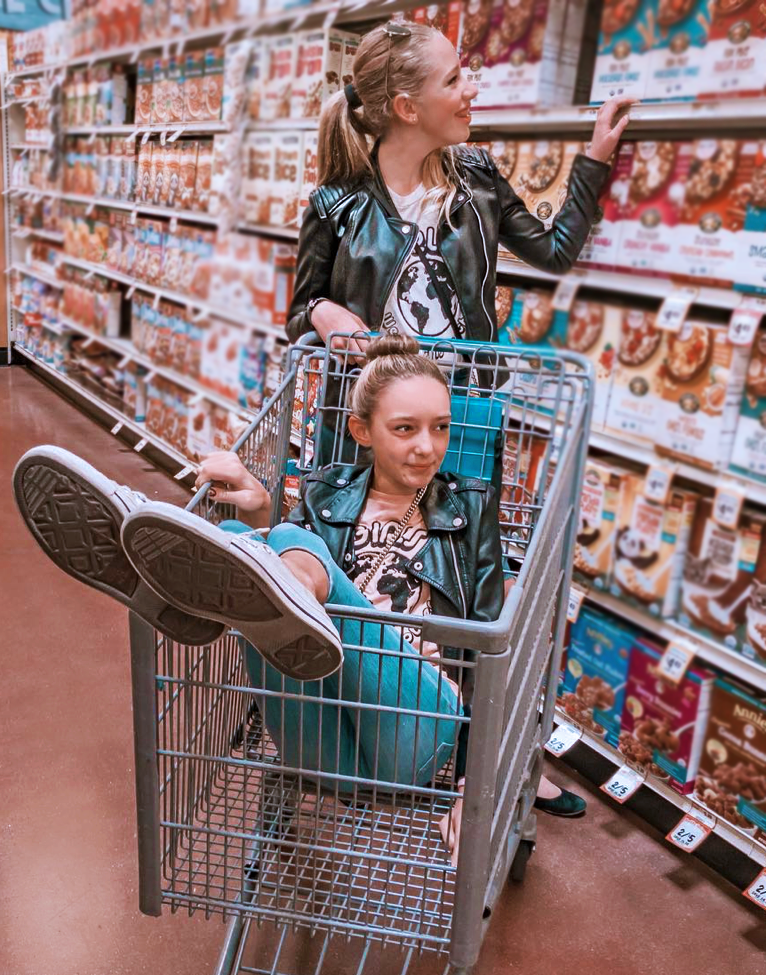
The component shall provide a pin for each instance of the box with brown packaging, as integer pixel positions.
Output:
(626, 42)
(593, 330)
(319, 63)
(723, 593)
(650, 546)
(735, 65)
(288, 159)
(663, 724)
(212, 83)
(602, 247)
(635, 399)
(204, 175)
(702, 382)
(278, 78)
(541, 176)
(718, 189)
(600, 502)
(731, 780)
(194, 92)
(310, 171)
(655, 198)
(748, 456)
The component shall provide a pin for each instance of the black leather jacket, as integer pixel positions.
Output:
(353, 242)
(462, 559)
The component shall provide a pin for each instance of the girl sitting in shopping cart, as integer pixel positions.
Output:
(361, 703)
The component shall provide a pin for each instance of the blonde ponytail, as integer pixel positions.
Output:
(344, 150)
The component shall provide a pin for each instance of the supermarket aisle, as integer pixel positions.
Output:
(600, 896)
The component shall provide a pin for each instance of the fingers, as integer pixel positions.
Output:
(223, 496)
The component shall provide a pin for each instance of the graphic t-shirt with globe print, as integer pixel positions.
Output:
(413, 307)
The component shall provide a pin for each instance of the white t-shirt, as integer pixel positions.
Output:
(413, 307)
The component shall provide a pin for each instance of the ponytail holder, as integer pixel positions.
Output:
(352, 97)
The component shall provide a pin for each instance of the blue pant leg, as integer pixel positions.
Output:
(396, 747)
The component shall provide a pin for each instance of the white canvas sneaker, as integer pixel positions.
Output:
(75, 514)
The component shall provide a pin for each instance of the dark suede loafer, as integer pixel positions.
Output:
(567, 804)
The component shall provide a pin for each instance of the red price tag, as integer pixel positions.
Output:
(689, 834)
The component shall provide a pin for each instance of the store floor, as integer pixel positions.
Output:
(602, 895)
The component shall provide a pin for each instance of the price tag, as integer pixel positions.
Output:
(116, 428)
(623, 784)
(145, 137)
(657, 483)
(743, 325)
(173, 224)
(756, 892)
(163, 136)
(675, 662)
(688, 834)
(564, 295)
(183, 473)
(562, 739)
(576, 597)
(727, 505)
(140, 445)
(156, 302)
(675, 308)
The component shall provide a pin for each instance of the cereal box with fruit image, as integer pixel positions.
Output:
(723, 593)
(602, 247)
(653, 209)
(593, 330)
(663, 724)
(635, 399)
(596, 673)
(748, 456)
(702, 381)
(626, 43)
(718, 189)
(736, 50)
(680, 59)
(601, 498)
(650, 544)
(731, 780)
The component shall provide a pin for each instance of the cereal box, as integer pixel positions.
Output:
(237, 57)
(541, 176)
(278, 80)
(655, 197)
(510, 50)
(748, 456)
(161, 100)
(702, 383)
(175, 88)
(534, 320)
(663, 724)
(144, 91)
(724, 582)
(650, 545)
(187, 172)
(731, 780)
(593, 330)
(254, 80)
(625, 49)
(319, 61)
(680, 59)
(735, 58)
(750, 242)
(204, 175)
(144, 187)
(310, 171)
(635, 399)
(600, 501)
(288, 158)
(128, 165)
(171, 186)
(350, 47)
(259, 176)
(602, 247)
(445, 17)
(596, 673)
(194, 92)
(714, 209)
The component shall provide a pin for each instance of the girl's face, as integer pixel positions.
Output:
(408, 433)
(444, 102)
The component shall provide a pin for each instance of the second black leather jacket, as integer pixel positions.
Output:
(353, 242)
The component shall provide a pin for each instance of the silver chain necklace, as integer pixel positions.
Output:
(404, 521)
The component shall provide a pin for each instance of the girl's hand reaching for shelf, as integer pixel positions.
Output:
(609, 128)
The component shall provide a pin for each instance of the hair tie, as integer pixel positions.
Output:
(352, 97)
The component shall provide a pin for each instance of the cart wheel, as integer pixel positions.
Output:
(519, 865)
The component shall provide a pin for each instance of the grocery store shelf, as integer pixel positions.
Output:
(732, 835)
(26, 146)
(210, 127)
(22, 233)
(265, 229)
(710, 651)
(194, 216)
(624, 283)
(189, 301)
(281, 124)
(126, 349)
(33, 272)
(138, 428)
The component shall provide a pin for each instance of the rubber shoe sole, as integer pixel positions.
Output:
(198, 566)
(75, 515)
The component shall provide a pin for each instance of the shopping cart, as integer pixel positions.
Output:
(229, 824)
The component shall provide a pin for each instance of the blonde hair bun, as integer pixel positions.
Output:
(391, 344)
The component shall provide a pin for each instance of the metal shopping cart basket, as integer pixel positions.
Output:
(229, 823)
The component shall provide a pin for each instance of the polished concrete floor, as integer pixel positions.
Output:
(602, 895)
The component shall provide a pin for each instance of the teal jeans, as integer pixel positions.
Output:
(364, 726)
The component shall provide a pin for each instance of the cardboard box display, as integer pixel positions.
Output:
(596, 673)
(702, 384)
(593, 330)
(541, 176)
(350, 47)
(601, 499)
(663, 724)
(635, 404)
(735, 57)
(626, 43)
(718, 189)
(655, 199)
(278, 79)
(650, 545)
(731, 780)
(748, 457)
(602, 247)
(319, 64)
(288, 159)
(309, 178)
(724, 581)
(680, 58)
(750, 240)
